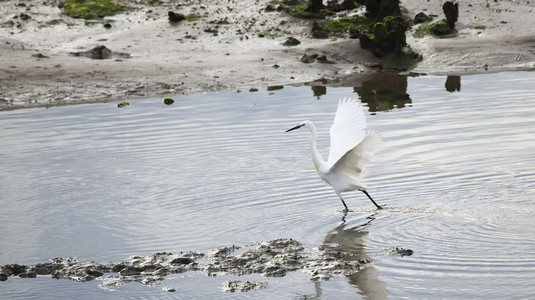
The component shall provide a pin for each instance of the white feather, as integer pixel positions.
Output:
(347, 130)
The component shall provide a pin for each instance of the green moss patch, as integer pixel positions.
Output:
(436, 28)
(91, 9)
(123, 104)
(339, 26)
(269, 35)
(300, 11)
(343, 24)
(386, 36)
(192, 17)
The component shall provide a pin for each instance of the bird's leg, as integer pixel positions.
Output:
(344, 218)
(343, 202)
(378, 207)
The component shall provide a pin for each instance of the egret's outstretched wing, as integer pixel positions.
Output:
(353, 161)
(347, 129)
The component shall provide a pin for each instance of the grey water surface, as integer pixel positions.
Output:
(457, 174)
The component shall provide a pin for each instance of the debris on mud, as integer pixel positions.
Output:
(242, 286)
(168, 101)
(169, 289)
(320, 58)
(421, 18)
(399, 251)
(123, 104)
(291, 41)
(96, 9)
(175, 17)
(100, 52)
(271, 259)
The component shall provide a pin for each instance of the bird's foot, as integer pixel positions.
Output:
(382, 206)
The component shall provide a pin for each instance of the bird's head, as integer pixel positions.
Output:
(304, 124)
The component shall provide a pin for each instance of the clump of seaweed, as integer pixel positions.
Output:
(442, 27)
(437, 28)
(91, 9)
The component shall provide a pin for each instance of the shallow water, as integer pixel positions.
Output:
(101, 183)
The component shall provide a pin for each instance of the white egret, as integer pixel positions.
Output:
(351, 149)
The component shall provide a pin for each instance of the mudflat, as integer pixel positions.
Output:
(227, 45)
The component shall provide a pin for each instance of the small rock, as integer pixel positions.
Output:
(323, 59)
(3, 277)
(291, 41)
(24, 17)
(400, 251)
(421, 18)
(175, 17)
(169, 289)
(39, 55)
(307, 59)
(121, 105)
(99, 52)
(168, 101)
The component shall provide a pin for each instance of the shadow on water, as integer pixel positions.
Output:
(453, 83)
(350, 244)
(384, 91)
(381, 91)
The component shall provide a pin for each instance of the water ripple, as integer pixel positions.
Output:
(98, 182)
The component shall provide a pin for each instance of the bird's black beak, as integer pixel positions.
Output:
(296, 127)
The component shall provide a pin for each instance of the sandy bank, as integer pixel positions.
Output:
(234, 45)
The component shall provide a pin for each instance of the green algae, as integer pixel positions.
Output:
(91, 9)
(192, 17)
(341, 25)
(437, 28)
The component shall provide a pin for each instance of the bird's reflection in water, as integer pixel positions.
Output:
(351, 243)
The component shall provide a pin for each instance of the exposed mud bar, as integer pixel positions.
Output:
(271, 259)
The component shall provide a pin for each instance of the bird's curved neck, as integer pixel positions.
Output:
(316, 157)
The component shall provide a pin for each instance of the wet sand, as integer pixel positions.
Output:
(235, 45)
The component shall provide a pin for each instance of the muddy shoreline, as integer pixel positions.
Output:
(238, 45)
